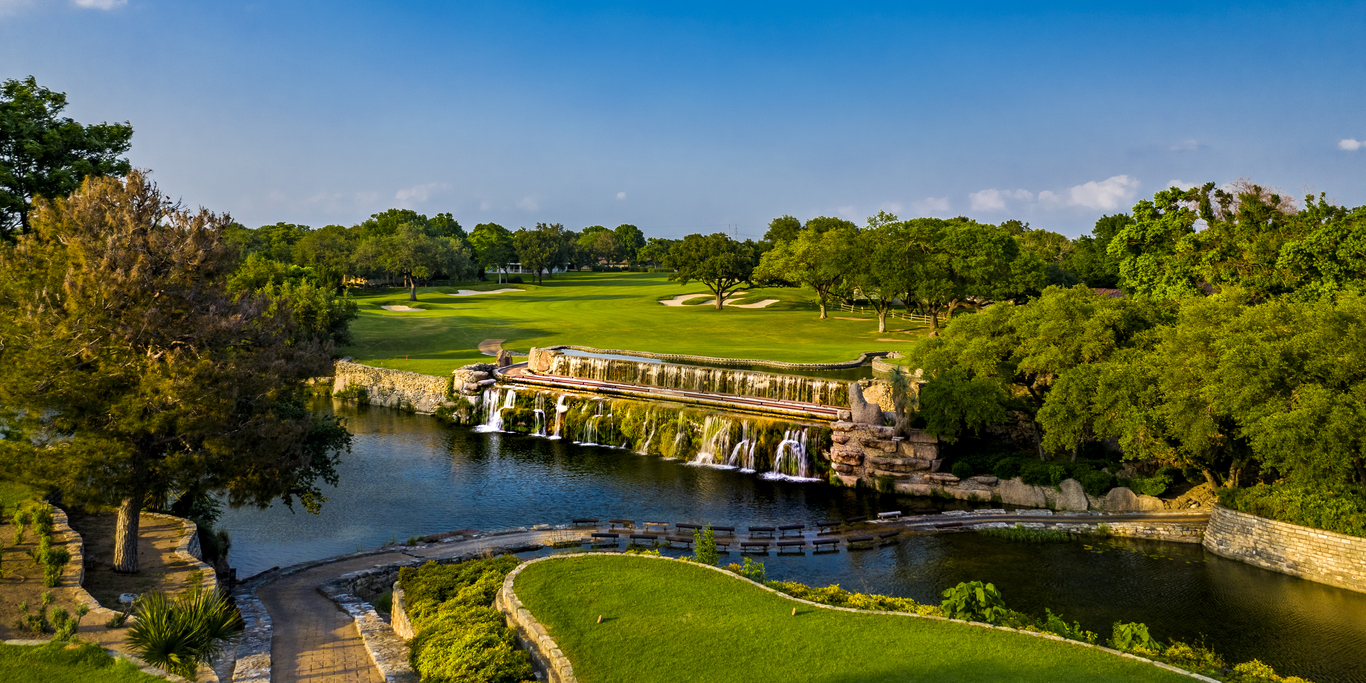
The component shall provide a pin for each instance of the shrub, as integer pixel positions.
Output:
(460, 636)
(974, 601)
(1035, 474)
(1096, 482)
(838, 597)
(1257, 672)
(1339, 509)
(179, 635)
(1006, 469)
(1193, 657)
(1020, 533)
(515, 279)
(1155, 485)
(1133, 637)
(962, 470)
(704, 547)
(1056, 625)
(1056, 473)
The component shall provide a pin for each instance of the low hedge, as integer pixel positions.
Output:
(1341, 509)
(460, 636)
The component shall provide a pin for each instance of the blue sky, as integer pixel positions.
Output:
(693, 117)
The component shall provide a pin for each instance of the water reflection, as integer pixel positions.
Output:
(408, 476)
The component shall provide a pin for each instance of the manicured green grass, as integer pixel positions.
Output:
(57, 664)
(611, 311)
(13, 492)
(670, 621)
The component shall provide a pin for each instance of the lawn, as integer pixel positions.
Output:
(670, 621)
(57, 664)
(608, 310)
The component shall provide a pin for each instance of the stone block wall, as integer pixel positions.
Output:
(392, 388)
(1313, 554)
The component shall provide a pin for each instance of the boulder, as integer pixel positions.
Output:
(1070, 496)
(863, 412)
(985, 479)
(504, 358)
(540, 360)
(913, 489)
(1151, 504)
(942, 477)
(1120, 499)
(1016, 492)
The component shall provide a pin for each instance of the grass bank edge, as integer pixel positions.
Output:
(1159, 670)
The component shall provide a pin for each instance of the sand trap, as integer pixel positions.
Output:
(678, 300)
(758, 304)
(401, 308)
(471, 292)
(897, 340)
(491, 347)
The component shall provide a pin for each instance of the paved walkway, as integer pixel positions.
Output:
(313, 641)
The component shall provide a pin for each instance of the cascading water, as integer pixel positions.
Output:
(560, 410)
(715, 443)
(650, 428)
(742, 455)
(540, 414)
(493, 419)
(790, 460)
(704, 379)
(590, 428)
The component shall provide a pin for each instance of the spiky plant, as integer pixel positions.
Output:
(163, 637)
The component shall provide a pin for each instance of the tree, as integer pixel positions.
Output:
(329, 252)
(444, 225)
(542, 249)
(1089, 260)
(493, 247)
(962, 263)
(656, 250)
(45, 155)
(716, 260)
(387, 223)
(630, 240)
(821, 224)
(884, 269)
(598, 244)
(413, 254)
(822, 262)
(130, 371)
(782, 229)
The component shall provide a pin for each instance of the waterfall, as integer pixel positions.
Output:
(652, 426)
(790, 461)
(703, 379)
(742, 455)
(560, 410)
(715, 442)
(493, 420)
(590, 428)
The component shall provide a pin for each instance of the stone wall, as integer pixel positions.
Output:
(391, 388)
(1313, 554)
(871, 455)
(546, 656)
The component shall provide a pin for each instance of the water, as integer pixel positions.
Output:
(821, 390)
(408, 476)
(853, 374)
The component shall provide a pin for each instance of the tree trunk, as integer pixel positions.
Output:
(1210, 478)
(882, 318)
(719, 298)
(412, 289)
(126, 534)
(822, 309)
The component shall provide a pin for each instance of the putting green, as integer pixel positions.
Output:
(671, 621)
(608, 310)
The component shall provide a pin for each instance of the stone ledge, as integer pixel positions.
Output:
(388, 651)
(508, 602)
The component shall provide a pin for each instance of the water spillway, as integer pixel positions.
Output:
(714, 380)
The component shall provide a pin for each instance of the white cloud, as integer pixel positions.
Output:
(1351, 144)
(931, 205)
(850, 212)
(1106, 195)
(419, 193)
(1186, 146)
(995, 200)
(621, 195)
(13, 6)
(99, 4)
(485, 205)
(528, 204)
(1174, 182)
(891, 207)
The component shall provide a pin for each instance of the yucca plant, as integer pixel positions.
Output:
(179, 635)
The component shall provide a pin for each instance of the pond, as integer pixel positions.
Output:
(408, 475)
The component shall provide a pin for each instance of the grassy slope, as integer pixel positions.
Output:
(606, 310)
(668, 621)
(12, 493)
(29, 664)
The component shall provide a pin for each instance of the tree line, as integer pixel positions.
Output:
(1238, 353)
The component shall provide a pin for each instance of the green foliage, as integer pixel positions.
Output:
(1196, 658)
(704, 546)
(1021, 534)
(717, 261)
(459, 635)
(1056, 625)
(543, 249)
(822, 261)
(754, 571)
(838, 597)
(65, 662)
(1257, 672)
(179, 635)
(974, 601)
(1096, 482)
(415, 255)
(962, 469)
(1341, 509)
(1133, 637)
(45, 154)
(1155, 485)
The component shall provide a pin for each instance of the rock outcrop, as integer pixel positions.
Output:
(863, 412)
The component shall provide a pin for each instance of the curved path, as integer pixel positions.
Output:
(314, 641)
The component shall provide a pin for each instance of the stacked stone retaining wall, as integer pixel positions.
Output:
(1313, 554)
(391, 388)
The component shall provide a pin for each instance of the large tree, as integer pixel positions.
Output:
(415, 255)
(821, 261)
(716, 260)
(493, 248)
(128, 371)
(630, 240)
(542, 249)
(43, 154)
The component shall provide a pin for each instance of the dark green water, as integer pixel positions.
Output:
(408, 475)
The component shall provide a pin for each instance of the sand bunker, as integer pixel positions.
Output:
(682, 299)
(471, 292)
(401, 308)
(678, 300)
